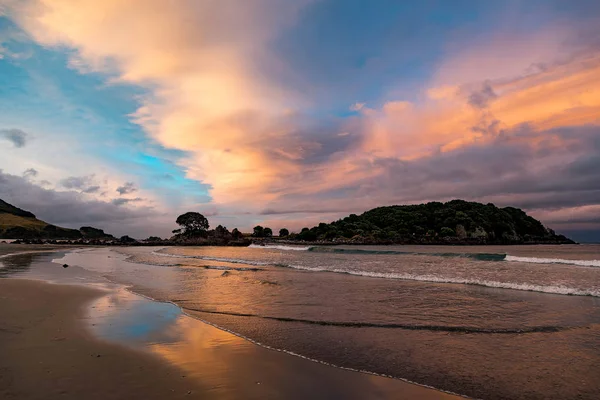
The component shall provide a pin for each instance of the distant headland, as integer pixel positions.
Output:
(456, 222)
(453, 222)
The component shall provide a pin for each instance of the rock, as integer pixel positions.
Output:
(461, 232)
(479, 233)
(226, 273)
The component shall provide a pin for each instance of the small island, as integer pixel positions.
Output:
(455, 222)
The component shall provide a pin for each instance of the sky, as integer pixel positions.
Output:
(285, 113)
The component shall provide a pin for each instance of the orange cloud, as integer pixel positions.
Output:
(208, 93)
(562, 93)
(213, 92)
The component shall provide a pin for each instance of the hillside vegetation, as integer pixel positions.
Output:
(456, 221)
(16, 223)
(6, 208)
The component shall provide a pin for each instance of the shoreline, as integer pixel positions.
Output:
(281, 375)
(263, 242)
(48, 353)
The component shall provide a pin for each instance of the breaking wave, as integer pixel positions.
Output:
(474, 256)
(279, 247)
(221, 259)
(523, 286)
(536, 260)
(529, 287)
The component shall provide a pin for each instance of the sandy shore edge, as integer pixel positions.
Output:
(47, 352)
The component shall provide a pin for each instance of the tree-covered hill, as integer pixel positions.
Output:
(456, 221)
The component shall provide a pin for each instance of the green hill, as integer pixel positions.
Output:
(6, 208)
(16, 223)
(456, 221)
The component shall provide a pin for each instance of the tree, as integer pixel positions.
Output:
(445, 231)
(236, 234)
(267, 232)
(192, 222)
(283, 232)
(221, 232)
(307, 234)
(127, 239)
(259, 231)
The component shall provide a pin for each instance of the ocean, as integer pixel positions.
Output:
(482, 321)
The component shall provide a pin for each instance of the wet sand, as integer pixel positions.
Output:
(47, 353)
(51, 348)
(7, 248)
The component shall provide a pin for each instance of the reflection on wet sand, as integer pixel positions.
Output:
(15, 264)
(228, 366)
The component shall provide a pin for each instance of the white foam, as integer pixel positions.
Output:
(536, 260)
(279, 247)
(554, 289)
(229, 260)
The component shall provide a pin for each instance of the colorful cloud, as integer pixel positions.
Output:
(502, 110)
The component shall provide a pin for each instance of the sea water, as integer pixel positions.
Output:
(486, 321)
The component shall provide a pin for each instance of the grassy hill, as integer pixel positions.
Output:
(16, 223)
(6, 208)
(456, 221)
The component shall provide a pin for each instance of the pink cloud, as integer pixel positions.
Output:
(213, 95)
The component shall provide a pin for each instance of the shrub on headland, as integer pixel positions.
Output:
(261, 232)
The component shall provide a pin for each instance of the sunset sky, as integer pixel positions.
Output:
(122, 114)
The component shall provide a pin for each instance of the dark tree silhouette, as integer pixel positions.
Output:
(192, 222)
(259, 231)
(236, 234)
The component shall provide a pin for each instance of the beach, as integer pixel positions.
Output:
(93, 339)
(48, 353)
(347, 322)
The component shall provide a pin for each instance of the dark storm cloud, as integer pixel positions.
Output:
(522, 168)
(76, 182)
(30, 173)
(91, 189)
(128, 187)
(16, 136)
(70, 209)
(122, 201)
(84, 184)
(586, 166)
(506, 166)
